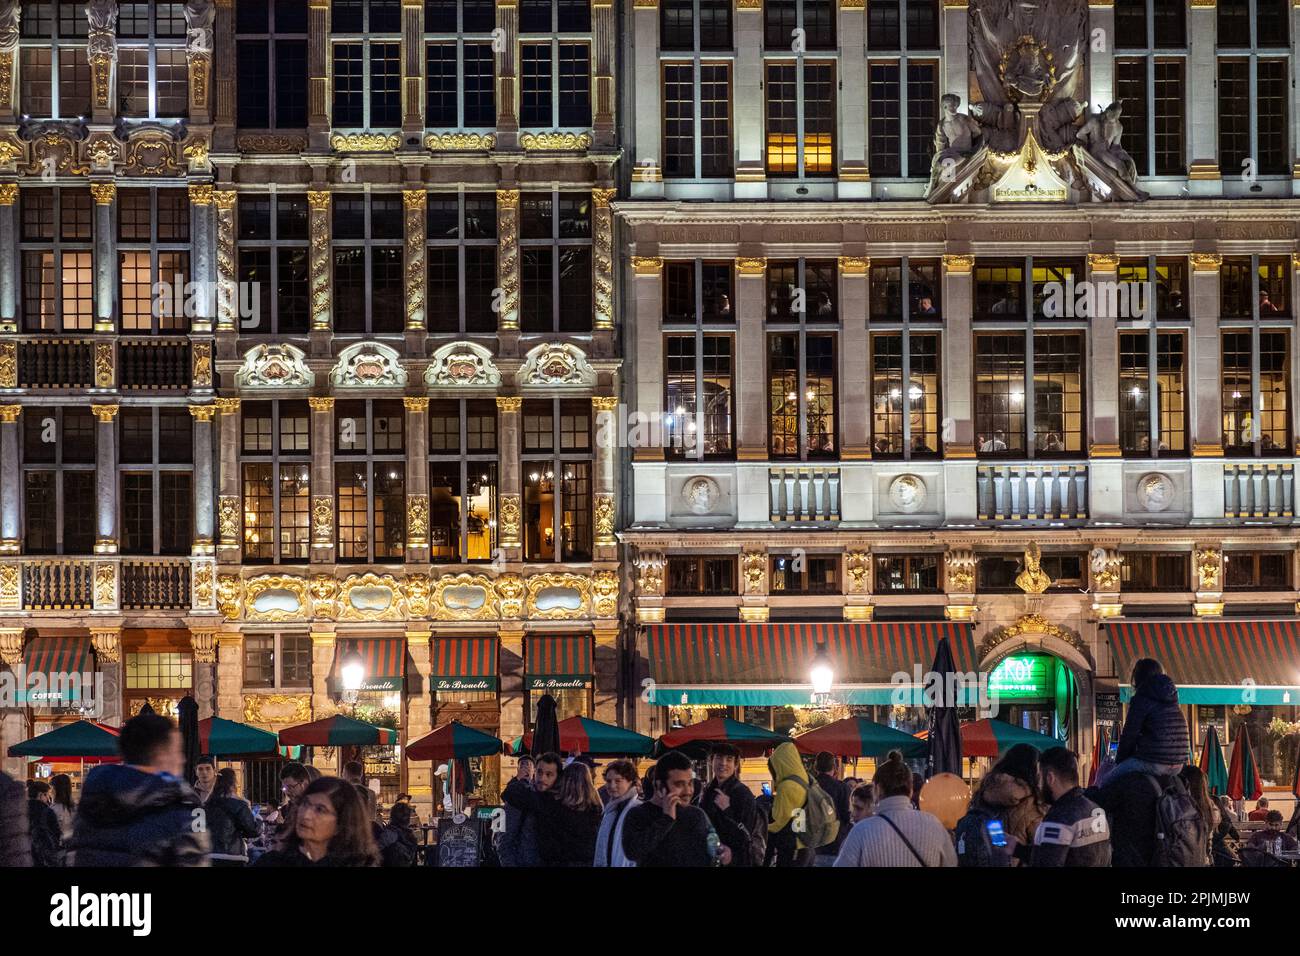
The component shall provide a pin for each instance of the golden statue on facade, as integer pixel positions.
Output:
(1033, 580)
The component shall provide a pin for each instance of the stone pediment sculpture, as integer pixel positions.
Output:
(462, 365)
(555, 365)
(368, 365)
(1029, 139)
(276, 365)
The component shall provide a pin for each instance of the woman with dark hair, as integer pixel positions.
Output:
(1009, 793)
(230, 822)
(63, 806)
(330, 829)
(1225, 838)
(1155, 738)
(1198, 789)
(568, 822)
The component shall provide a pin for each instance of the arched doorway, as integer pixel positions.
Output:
(1043, 674)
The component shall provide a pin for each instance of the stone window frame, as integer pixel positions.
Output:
(1256, 449)
(152, 45)
(156, 248)
(1253, 54)
(462, 243)
(801, 64)
(56, 245)
(33, 416)
(556, 243)
(278, 680)
(555, 459)
(61, 43)
(370, 459)
(368, 40)
(459, 38)
(278, 459)
(156, 468)
(272, 38)
(466, 458)
(1156, 414)
(369, 244)
(275, 245)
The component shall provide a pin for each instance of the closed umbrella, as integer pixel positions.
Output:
(546, 728)
(187, 713)
(1212, 765)
(1099, 753)
(1243, 775)
(943, 729)
(859, 737)
(697, 740)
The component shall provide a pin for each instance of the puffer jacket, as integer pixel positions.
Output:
(230, 823)
(787, 796)
(1155, 729)
(1014, 802)
(131, 818)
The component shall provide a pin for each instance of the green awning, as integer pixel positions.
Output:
(58, 669)
(463, 664)
(384, 660)
(558, 663)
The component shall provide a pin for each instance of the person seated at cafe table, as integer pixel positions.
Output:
(1271, 839)
(1260, 813)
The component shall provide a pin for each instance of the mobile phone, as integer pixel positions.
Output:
(767, 789)
(1114, 747)
(996, 836)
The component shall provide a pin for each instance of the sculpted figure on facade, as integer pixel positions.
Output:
(956, 137)
(1100, 136)
(9, 14)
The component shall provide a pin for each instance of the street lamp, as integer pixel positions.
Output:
(821, 673)
(353, 672)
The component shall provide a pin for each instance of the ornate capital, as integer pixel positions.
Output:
(604, 403)
(958, 265)
(104, 413)
(225, 198)
(321, 403)
(416, 404)
(201, 194)
(751, 266)
(959, 568)
(104, 193)
(414, 198)
(8, 194)
(203, 413)
(318, 199)
(647, 265)
(227, 405)
(9, 413)
(1102, 262)
(507, 199)
(509, 403)
(603, 197)
(204, 643)
(107, 644)
(1206, 261)
(854, 265)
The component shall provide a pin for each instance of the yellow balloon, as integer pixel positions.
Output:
(947, 797)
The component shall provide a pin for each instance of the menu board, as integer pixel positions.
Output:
(459, 841)
(1108, 709)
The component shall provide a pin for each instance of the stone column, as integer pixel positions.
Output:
(105, 479)
(223, 105)
(603, 491)
(510, 511)
(414, 201)
(1207, 420)
(319, 201)
(1101, 62)
(9, 16)
(101, 51)
(647, 164)
(322, 480)
(107, 642)
(11, 481)
(229, 514)
(855, 178)
(958, 425)
(322, 704)
(203, 270)
(412, 72)
(1295, 101)
(105, 255)
(13, 724)
(199, 22)
(603, 258)
(955, 43)
(203, 640)
(419, 721)
(507, 75)
(512, 693)
(9, 257)
(508, 253)
(227, 278)
(230, 675)
(417, 480)
(751, 360)
(605, 676)
(1202, 122)
(747, 95)
(648, 368)
(855, 392)
(1104, 360)
(604, 33)
(204, 479)
(318, 74)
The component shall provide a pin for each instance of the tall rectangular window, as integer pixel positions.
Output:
(59, 480)
(697, 120)
(460, 78)
(462, 480)
(679, 21)
(271, 64)
(556, 463)
(1253, 87)
(555, 249)
(905, 400)
(1000, 393)
(1256, 390)
(555, 84)
(57, 262)
(1152, 394)
(801, 370)
(155, 480)
(1149, 80)
(369, 289)
(800, 145)
(53, 70)
(275, 463)
(153, 234)
(367, 74)
(462, 262)
(370, 480)
(698, 377)
(273, 264)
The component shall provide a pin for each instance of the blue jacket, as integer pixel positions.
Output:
(1155, 729)
(131, 818)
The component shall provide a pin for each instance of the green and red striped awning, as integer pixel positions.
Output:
(558, 662)
(57, 668)
(463, 664)
(384, 658)
(1215, 662)
(768, 664)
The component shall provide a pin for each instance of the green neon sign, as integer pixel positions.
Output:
(1023, 676)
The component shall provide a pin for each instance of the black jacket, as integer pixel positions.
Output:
(1073, 833)
(397, 846)
(652, 838)
(565, 837)
(1130, 804)
(838, 791)
(1155, 729)
(735, 825)
(15, 843)
(230, 823)
(46, 834)
(131, 818)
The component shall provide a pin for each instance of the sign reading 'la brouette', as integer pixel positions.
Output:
(557, 683)
(474, 683)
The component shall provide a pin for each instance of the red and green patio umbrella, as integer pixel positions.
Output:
(85, 740)
(453, 741)
(594, 738)
(859, 737)
(1098, 753)
(695, 739)
(337, 731)
(1243, 774)
(1212, 765)
(227, 738)
(992, 738)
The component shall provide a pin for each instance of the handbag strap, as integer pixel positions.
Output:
(908, 843)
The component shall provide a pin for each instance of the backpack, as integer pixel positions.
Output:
(821, 825)
(974, 848)
(1181, 839)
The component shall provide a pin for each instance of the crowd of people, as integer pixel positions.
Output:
(1147, 808)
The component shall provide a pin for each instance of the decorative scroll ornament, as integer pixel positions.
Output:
(270, 143)
(604, 593)
(275, 597)
(365, 142)
(371, 597)
(1208, 568)
(204, 584)
(960, 572)
(417, 591)
(54, 147)
(152, 151)
(368, 365)
(605, 520)
(857, 567)
(1033, 580)
(11, 644)
(107, 643)
(204, 645)
(275, 365)
(322, 520)
(558, 596)
(465, 597)
(554, 141)
(650, 573)
(202, 365)
(277, 708)
(228, 519)
(324, 590)
(105, 586)
(417, 520)
(511, 590)
(460, 142)
(1105, 565)
(462, 365)
(510, 516)
(230, 596)
(557, 365)
(1031, 624)
(9, 590)
(104, 373)
(754, 569)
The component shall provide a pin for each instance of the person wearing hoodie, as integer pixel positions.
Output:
(1008, 793)
(15, 844)
(789, 794)
(1155, 738)
(731, 808)
(230, 821)
(141, 812)
(621, 796)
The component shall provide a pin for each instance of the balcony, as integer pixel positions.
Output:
(155, 585)
(56, 363)
(1032, 492)
(153, 364)
(1258, 490)
(804, 494)
(58, 585)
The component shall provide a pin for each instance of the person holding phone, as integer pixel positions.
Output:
(666, 830)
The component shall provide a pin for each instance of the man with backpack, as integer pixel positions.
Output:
(803, 816)
(1153, 821)
(898, 834)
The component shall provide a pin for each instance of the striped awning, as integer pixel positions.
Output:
(768, 664)
(463, 663)
(57, 668)
(1215, 662)
(384, 659)
(558, 663)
